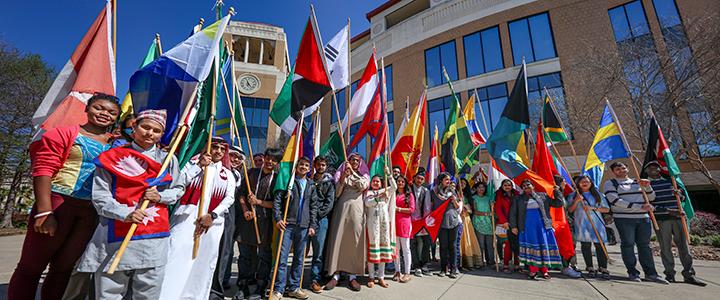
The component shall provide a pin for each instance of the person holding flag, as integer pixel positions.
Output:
(420, 243)
(444, 191)
(126, 176)
(481, 204)
(188, 277)
(325, 189)
(379, 226)
(507, 243)
(587, 205)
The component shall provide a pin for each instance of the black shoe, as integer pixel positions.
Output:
(243, 290)
(670, 278)
(694, 281)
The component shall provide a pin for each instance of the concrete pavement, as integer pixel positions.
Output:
(486, 284)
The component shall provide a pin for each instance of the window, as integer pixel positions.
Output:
(536, 95)
(492, 99)
(361, 147)
(483, 52)
(435, 59)
(340, 96)
(353, 88)
(391, 127)
(389, 82)
(531, 38)
(257, 112)
(438, 112)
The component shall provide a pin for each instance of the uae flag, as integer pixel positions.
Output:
(306, 85)
(658, 151)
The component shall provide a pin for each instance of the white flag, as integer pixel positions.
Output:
(336, 58)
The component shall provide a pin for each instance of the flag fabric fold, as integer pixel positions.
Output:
(332, 150)
(433, 168)
(607, 145)
(367, 89)
(456, 143)
(287, 163)
(410, 140)
(90, 69)
(152, 54)
(551, 123)
(336, 58)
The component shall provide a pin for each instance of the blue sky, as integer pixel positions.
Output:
(52, 28)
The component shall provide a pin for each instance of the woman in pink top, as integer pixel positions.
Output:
(404, 207)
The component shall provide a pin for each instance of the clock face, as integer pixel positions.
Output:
(248, 84)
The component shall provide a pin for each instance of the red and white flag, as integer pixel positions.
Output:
(433, 168)
(91, 69)
(366, 91)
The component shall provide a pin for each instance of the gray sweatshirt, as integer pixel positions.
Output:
(626, 200)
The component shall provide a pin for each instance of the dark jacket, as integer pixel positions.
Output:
(518, 208)
(325, 189)
(263, 191)
(308, 215)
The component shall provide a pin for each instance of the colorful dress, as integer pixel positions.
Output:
(380, 239)
(403, 223)
(583, 230)
(481, 204)
(538, 247)
(469, 248)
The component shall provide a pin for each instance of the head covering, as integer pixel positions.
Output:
(159, 115)
(237, 150)
(363, 169)
(652, 162)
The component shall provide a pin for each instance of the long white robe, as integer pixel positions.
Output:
(187, 278)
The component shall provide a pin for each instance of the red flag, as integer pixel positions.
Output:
(91, 69)
(432, 222)
(132, 174)
(373, 121)
(408, 146)
(544, 166)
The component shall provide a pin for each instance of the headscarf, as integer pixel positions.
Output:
(225, 159)
(362, 170)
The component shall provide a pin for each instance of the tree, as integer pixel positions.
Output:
(24, 80)
(675, 75)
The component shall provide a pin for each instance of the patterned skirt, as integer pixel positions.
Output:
(538, 246)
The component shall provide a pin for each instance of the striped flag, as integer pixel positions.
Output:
(287, 163)
(336, 58)
(433, 167)
(366, 90)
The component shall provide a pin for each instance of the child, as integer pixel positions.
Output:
(379, 221)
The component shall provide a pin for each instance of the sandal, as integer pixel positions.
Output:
(546, 275)
(382, 283)
(506, 270)
(532, 275)
(396, 277)
(370, 284)
(405, 278)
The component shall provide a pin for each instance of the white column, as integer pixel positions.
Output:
(262, 51)
(247, 49)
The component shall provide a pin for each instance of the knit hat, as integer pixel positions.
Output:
(159, 115)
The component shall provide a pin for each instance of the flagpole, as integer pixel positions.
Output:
(634, 165)
(175, 142)
(114, 25)
(242, 115)
(340, 129)
(298, 140)
(348, 94)
(206, 174)
(572, 148)
(492, 205)
(683, 217)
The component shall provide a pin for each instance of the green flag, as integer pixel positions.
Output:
(456, 143)
(281, 109)
(197, 135)
(551, 122)
(332, 150)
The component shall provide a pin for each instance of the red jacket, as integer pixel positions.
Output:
(48, 154)
(502, 206)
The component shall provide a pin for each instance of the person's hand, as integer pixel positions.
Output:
(249, 215)
(311, 231)
(586, 208)
(644, 182)
(647, 207)
(676, 213)
(280, 225)
(253, 200)
(387, 171)
(46, 225)
(515, 231)
(578, 197)
(203, 224)
(136, 216)
(205, 160)
(348, 171)
(151, 194)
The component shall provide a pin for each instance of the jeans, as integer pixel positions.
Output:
(458, 257)
(486, 247)
(671, 231)
(448, 254)
(294, 237)
(586, 248)
(318, 245)
(420, 251)
(404, 249)
(636, 232)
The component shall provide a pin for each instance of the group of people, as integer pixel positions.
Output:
(90, 184)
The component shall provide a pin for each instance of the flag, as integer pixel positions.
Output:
(496, 176)
(367, 90)
(551, 122)
(374, 125)
(409, 144)
(225, 124)
(132, 173)
(472, 126)
(91, 69)
(456, 144)
(287, 163)
(432, 222)
(168, 82)
(199, 130)
(332, 150)
(152, 54)
(403, 124)
(544, 166)
(658, 150)
(311, 140)
(433, 167)
(336, 58)
(310, 81)
(606, 146)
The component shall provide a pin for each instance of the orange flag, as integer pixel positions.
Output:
(408, 147)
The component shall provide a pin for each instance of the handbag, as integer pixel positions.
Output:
(500, 232)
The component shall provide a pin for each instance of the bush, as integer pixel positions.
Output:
(695, 240)
(714, 240)
(705, 224)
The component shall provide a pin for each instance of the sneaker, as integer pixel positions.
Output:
(694, 281)
(441, 274)
(656, 279)
(454, 274)
(316, 287)
(298, 294)
(570, 272)
(635, 278)
(604, 274)
(418, 273)
(425, 271)
(276, 296)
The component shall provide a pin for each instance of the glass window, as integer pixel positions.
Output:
(667, 13)
(438, 57)
(628, 21)
(532, 39)
(257, 112)
(536, 95)
(483, 52)
(438, 112)
(340, 96)
(492, 99)
(353, 88)
(389, 82)
(361, 147)
(391, 127)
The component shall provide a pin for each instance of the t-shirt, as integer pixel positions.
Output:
(75, 178)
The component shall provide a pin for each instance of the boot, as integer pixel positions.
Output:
(243, 290)
(259, 292)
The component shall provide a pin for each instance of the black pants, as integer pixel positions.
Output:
(420, 250)
(448, 251)
(587, 254)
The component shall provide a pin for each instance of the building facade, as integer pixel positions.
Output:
(482, 43)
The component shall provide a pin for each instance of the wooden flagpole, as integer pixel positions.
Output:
(572, 148)
(492, 205)
(340, 129)
(298, 141)
(634, 165)
(348, 93)
(114, 26)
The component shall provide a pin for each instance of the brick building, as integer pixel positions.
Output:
(482, 42)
